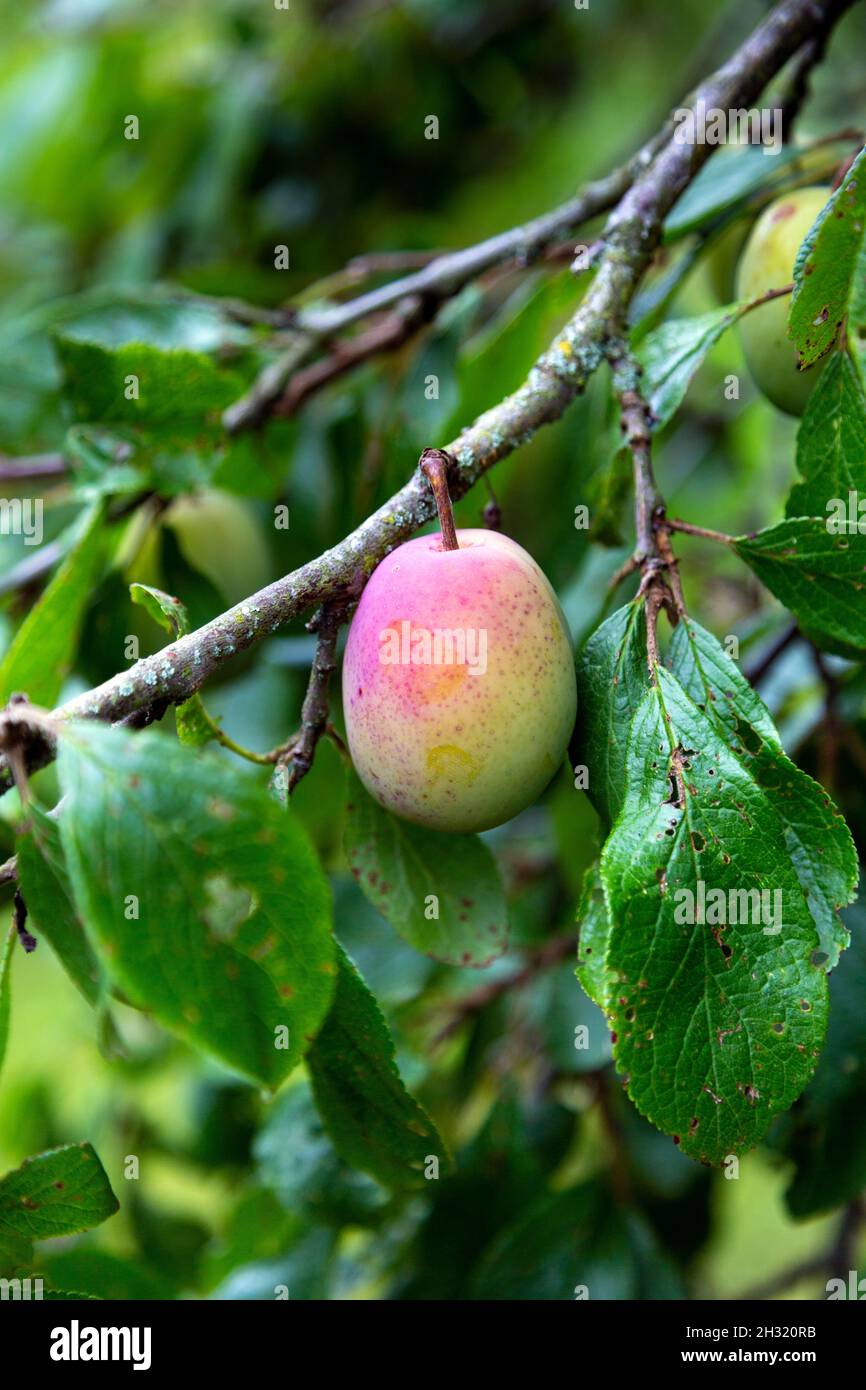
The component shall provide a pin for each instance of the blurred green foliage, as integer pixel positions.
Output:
(259, 127)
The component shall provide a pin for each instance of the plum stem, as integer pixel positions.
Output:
(434, 465)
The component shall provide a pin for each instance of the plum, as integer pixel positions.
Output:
(459, 688)
(220, 536)
(768, 263)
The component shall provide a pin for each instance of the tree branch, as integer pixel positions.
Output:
(430, 285)
(31, 466)
(386, 335)
(632, 233)
(314, 712)
(756, 673)
(653, 555)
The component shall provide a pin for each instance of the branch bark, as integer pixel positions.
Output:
(656, 180)
(314, 712)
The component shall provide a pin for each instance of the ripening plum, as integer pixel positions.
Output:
(768, 263)
(459, 687)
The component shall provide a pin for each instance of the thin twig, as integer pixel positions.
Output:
(314, 712)
(434, 282)
(443, 277)
(255, 403)
(636, 425)
(558, 949)
(625, 569)
(810, 55)
(32, 568)
(620, 1165)
(757, 672)
(384, 336)
(653, 554)
(673, 523)
(31, 466)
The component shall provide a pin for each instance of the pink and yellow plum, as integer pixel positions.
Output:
(458, 682)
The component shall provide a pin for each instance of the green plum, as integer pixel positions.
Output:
(768, 263)
(221, 537)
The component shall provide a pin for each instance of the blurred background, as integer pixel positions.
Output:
(304, 127)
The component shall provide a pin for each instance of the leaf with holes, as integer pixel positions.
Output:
(441, 893)
(717, 997)
(203, 900)
(373, 1121)
(820, 844)
(817, 573)
(57, 1193)
(830, 268)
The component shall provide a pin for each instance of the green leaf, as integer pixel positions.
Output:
(373, 1121)
(830, 268)
(296, 1159)
(817, 573)
(614, 487)
(5, 989)
(203, 899)
(819, 841)
(575, 1244)
(302, 1271)
(154, 315)
(826, 1133)
(175, 387)
(192, 721)
(442, 893)
(612, 677)
(671, 355)
(573, 1032)
(44, 880)
(169, 612)
(57, 1193)
(102, 1275)
(725, 182)
(509, 344)
(44, 647)
(68, 1296)
(119, 459)
(718, 1022)
(830, 441)
(594, 939)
